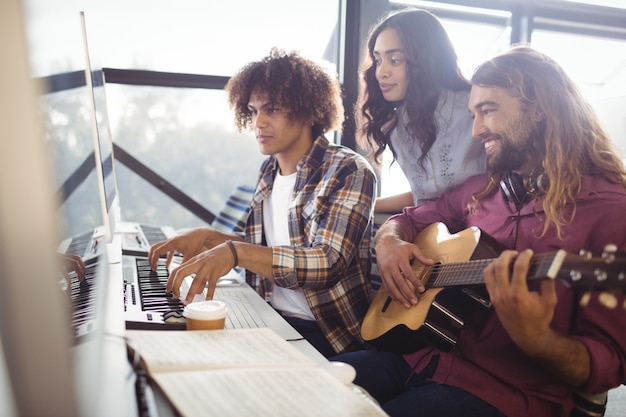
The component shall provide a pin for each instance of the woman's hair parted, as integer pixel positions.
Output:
(304, 88)
(432, 66)
(574, 143)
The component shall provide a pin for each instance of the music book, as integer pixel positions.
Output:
(243, 372)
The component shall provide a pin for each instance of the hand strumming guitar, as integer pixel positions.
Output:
(394, 256)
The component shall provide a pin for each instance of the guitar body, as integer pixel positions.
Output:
(438, 317)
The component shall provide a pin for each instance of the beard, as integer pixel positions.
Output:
(516, 148)
(511, 156)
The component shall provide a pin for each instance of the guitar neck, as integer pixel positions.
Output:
(471, 272)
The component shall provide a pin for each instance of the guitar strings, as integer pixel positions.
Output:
(468, 272)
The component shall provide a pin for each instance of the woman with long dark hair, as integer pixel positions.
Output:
(414, 101)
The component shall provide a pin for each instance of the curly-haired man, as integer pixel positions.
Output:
(306, 243)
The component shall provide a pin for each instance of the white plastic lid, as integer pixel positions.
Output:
(205, 310)
(341, 370)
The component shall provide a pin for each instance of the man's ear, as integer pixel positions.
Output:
(539, 115)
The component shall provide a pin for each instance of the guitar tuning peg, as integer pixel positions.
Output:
(609, 252)
(585, 254)
(610, 248)
(600, 275)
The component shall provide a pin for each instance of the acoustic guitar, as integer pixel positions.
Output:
(455, 287)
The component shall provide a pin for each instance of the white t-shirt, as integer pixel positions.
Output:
(276, 228)
(454, 157)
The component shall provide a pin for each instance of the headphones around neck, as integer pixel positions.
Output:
(513, 189)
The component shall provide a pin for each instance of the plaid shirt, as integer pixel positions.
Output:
(330, 231)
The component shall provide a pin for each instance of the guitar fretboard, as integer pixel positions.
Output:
(471, 272)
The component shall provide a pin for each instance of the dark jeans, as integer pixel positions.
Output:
(404, 393)
(311, 331)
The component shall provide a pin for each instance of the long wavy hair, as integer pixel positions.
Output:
(306, 89)
(574, 143)
(432, 66)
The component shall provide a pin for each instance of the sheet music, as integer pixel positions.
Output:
(244, 372)
(193, 350)
(282, 392)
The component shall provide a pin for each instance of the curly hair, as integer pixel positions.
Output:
(432, 66)
(575, 143)
(304, 88)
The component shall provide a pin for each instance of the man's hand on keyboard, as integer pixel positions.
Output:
(189, 244)
(73, 263)
(208, 267)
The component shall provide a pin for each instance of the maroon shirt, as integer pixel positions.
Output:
(485, 361)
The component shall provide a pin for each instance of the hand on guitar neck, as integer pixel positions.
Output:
(527, 316)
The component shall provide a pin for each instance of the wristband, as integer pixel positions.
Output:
(234, 252)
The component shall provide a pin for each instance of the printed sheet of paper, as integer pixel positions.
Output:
(213, 349)
(280, 392)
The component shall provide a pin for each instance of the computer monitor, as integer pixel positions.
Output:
(129, 236)
(88, 196)
(101, 369)
(103, 142)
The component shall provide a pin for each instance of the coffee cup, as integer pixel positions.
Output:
(205, 315)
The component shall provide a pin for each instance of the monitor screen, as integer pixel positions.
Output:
(101, 368)
(103, 142)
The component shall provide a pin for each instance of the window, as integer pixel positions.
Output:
(187, 36)
(602, 79)
(186, 135)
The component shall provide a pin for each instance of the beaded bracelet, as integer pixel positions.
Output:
(234, 252)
